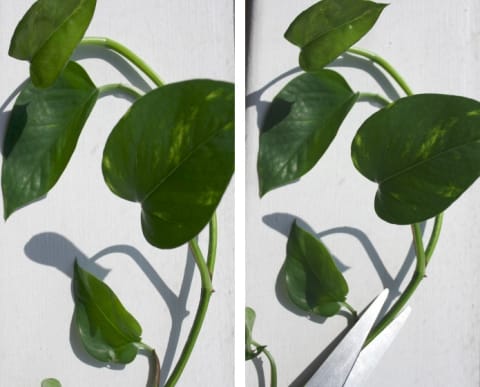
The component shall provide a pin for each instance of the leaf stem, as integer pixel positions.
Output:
(384, 64)
(273, 368)
(212, 244)
(373, 97)
(125, 52)
(423, 256)
(206, 273)
(350, 308)
(155, 370)
(121, 88)
(418, 275)
(201, 264)
(144, 347)
(432, 243)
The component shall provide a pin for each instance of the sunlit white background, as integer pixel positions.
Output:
(81, 218)
(436, 47)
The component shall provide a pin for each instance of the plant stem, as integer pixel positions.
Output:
(121, 88)
(125, 52)
(154, 374)
(145, 347)
(201, 264)
(349, 308)
(432, 243)
(155, 367)
(212, 244)
(423, 256)
(205, 274)
(385, 65)
(273, 368)
(418, 275)
(373, 97)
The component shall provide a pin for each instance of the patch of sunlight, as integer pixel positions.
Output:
(214, 94)
(450, 191)
(473, 113)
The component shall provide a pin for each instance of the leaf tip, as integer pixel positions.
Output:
(7, 211)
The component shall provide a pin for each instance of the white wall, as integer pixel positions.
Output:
(81, 218)
(436, 47)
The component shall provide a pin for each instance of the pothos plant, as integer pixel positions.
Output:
(423, 150)
(172, 152)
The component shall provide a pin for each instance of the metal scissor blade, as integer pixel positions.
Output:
(335, 370)
(371, 354)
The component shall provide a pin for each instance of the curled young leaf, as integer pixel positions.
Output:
(313, 281)
(300, 124)
(251, 350)
(48, 34)
(108, 331)
(423, 151)
(330, 27)
(173, 152)
(42, 134)
(51, 383)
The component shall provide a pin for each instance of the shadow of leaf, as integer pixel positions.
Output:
(52, 249)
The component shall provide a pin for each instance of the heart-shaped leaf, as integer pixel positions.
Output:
(330, 27)
(48, 34)
(42, 134)
(108, 331)
(313, 281)
(423, 151)
(173, 152)
(51, 383)
(302, 121)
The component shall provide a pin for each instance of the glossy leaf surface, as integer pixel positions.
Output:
(330, 27)
(108, 331)
(302, 121)
(173, 152)
(51, 383)
(42, 134)
(48, 34)
(313, 281)
(423, 151)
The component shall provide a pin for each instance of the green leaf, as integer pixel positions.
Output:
(313, 281)
(302, 121)
(252, 349)
(48, 34)
(250, 352)
(173, 152)
(108, 331)
(51, 383)
(42, 134)
(330, 27)
(423, 151)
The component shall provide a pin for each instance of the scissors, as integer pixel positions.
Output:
(349, 365)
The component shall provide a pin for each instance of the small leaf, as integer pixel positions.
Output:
(51, 383)
(108, 331)
(330, 27)
(48, 34)
(42, 134)
(252, 349)
(313, 281)
(423, 151)
(173, 152)
(250, 352)
(302, 121)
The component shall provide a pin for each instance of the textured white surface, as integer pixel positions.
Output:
(435, 46)
(82, 218)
